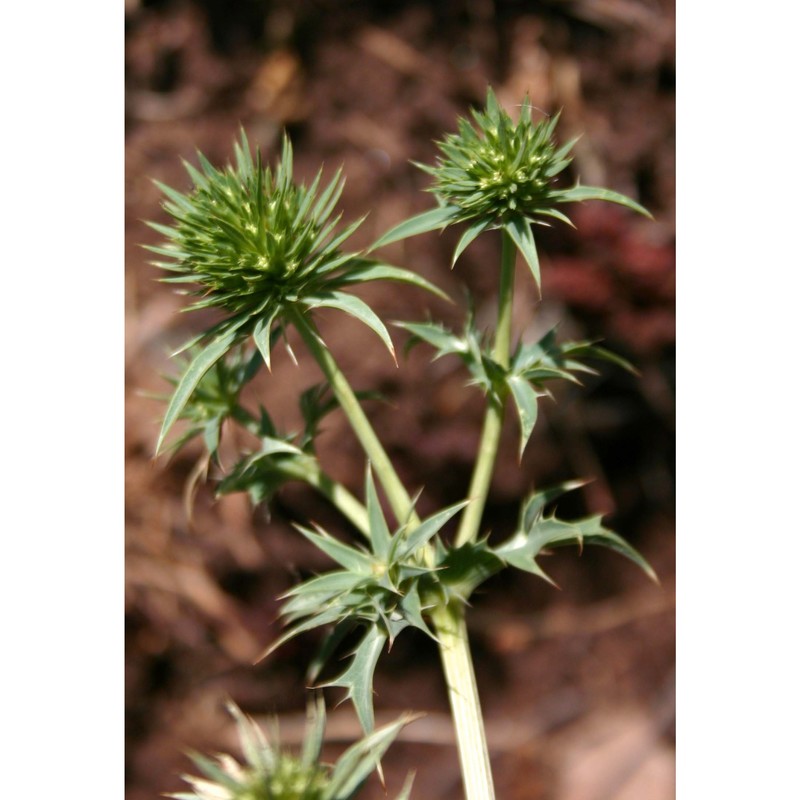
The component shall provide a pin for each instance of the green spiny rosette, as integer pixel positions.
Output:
(257, 246)
(382, 590)
(270, 773)
(499, 174)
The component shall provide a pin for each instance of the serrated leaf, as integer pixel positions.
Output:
(519, 558)
(333, 615)
(422, 534)
(519, 229)
(357, 678)
(577, 194)
(328, 583)
(198, 367)
(435, 219)
(534, 506)
(348, 557)
(411, 606)
(436, 335)
(357, 308)
(329, 644)
(464, 568)
(526, 401)
(537, 532)
(594, 532)
(552, 532)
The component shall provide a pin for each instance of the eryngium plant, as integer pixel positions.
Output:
(263, 251)
(271, 773)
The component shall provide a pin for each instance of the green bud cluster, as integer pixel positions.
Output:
(249, 236)
(290, 780)
(499, 168)
(270, 773)
(496, 174)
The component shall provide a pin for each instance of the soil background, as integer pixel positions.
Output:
(577, 684)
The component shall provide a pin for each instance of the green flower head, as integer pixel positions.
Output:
(499, 169)
(270, 773)
(250, 237)
(498, 174)
(261, 249)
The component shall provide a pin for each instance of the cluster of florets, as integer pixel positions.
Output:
(248, 235)
(497, 168)
(290, 780)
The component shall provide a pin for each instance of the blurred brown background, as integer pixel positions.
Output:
(578, 684)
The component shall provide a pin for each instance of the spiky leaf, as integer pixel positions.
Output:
(357, 678)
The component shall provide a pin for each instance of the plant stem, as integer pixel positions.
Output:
(396, 493)
(448, 620)
(311, 473)
(495, 410)
(462, 690)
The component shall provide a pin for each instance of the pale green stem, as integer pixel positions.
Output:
(448, 620)
(311, 473)
(495, 410)
(396, 493)
(308, 470)
(451, 628)
(462, 689)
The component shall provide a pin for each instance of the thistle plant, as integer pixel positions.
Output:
(267, 253)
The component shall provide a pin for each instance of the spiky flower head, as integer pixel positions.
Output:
(260, 247)
(496, 168)
(270, 773)
(250, 237)
(497, 173)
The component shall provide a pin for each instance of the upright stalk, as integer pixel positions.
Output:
(451, 627)
(495, 410)
(462, 690)
(310, 473)
(449, 622)
(396, 493)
